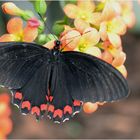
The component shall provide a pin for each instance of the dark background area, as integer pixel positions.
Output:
(113, 120)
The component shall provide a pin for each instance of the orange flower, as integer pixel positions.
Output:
(5, 125)
(110, 10)
(107, 56)
(84, 11)
(89, 107)
(2, 136)
(4, 109)
(119, 59)
(118, 63)
(112, 30)
(5, 121)
(4, 98)
(88, 41)
(4, 105)
(83, 42)
(121, 8)
(70, 40)
(127, 13)
(123, 70)
(18, 33)
(80, 25)
(11, 8)
(114, 56)
(50, 44)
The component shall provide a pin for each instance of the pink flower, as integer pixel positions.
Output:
(16, 32)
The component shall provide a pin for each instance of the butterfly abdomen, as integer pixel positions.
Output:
(55, 56)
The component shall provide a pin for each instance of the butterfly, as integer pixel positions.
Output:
(57, 82)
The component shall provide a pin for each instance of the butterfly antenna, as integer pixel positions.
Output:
(76, 36)
(46, 25)
(72, 40)
(66, 45)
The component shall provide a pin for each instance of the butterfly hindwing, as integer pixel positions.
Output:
(36, 90)
(64, 106)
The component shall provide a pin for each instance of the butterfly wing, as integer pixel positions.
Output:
(81, 77)
(18, 62)
(24, 69)
(95, 80)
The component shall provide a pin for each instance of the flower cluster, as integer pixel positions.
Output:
(97, 30)
(16, 32)
(99, 27)
(15, 26)
(5, 112)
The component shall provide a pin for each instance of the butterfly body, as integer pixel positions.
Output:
(55, 52)
(56, 82)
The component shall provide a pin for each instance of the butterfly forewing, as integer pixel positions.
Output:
(18, 63)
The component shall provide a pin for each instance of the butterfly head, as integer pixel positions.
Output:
(57, 44)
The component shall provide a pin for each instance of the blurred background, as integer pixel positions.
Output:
(113, 120)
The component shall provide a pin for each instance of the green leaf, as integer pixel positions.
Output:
(58, 28)
(50, 37)
(41, 39)
(40, 7)
(41, 28)
(27, 15)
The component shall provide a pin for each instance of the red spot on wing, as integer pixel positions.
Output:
(51, 108)
(26, 104)
(68, 109)
(18, 95)
(35, 110)
(47, 98)
(43, 107)
(76, 103)
(50, 98)
(58, 112)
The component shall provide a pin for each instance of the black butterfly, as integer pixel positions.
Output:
(57, 82)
